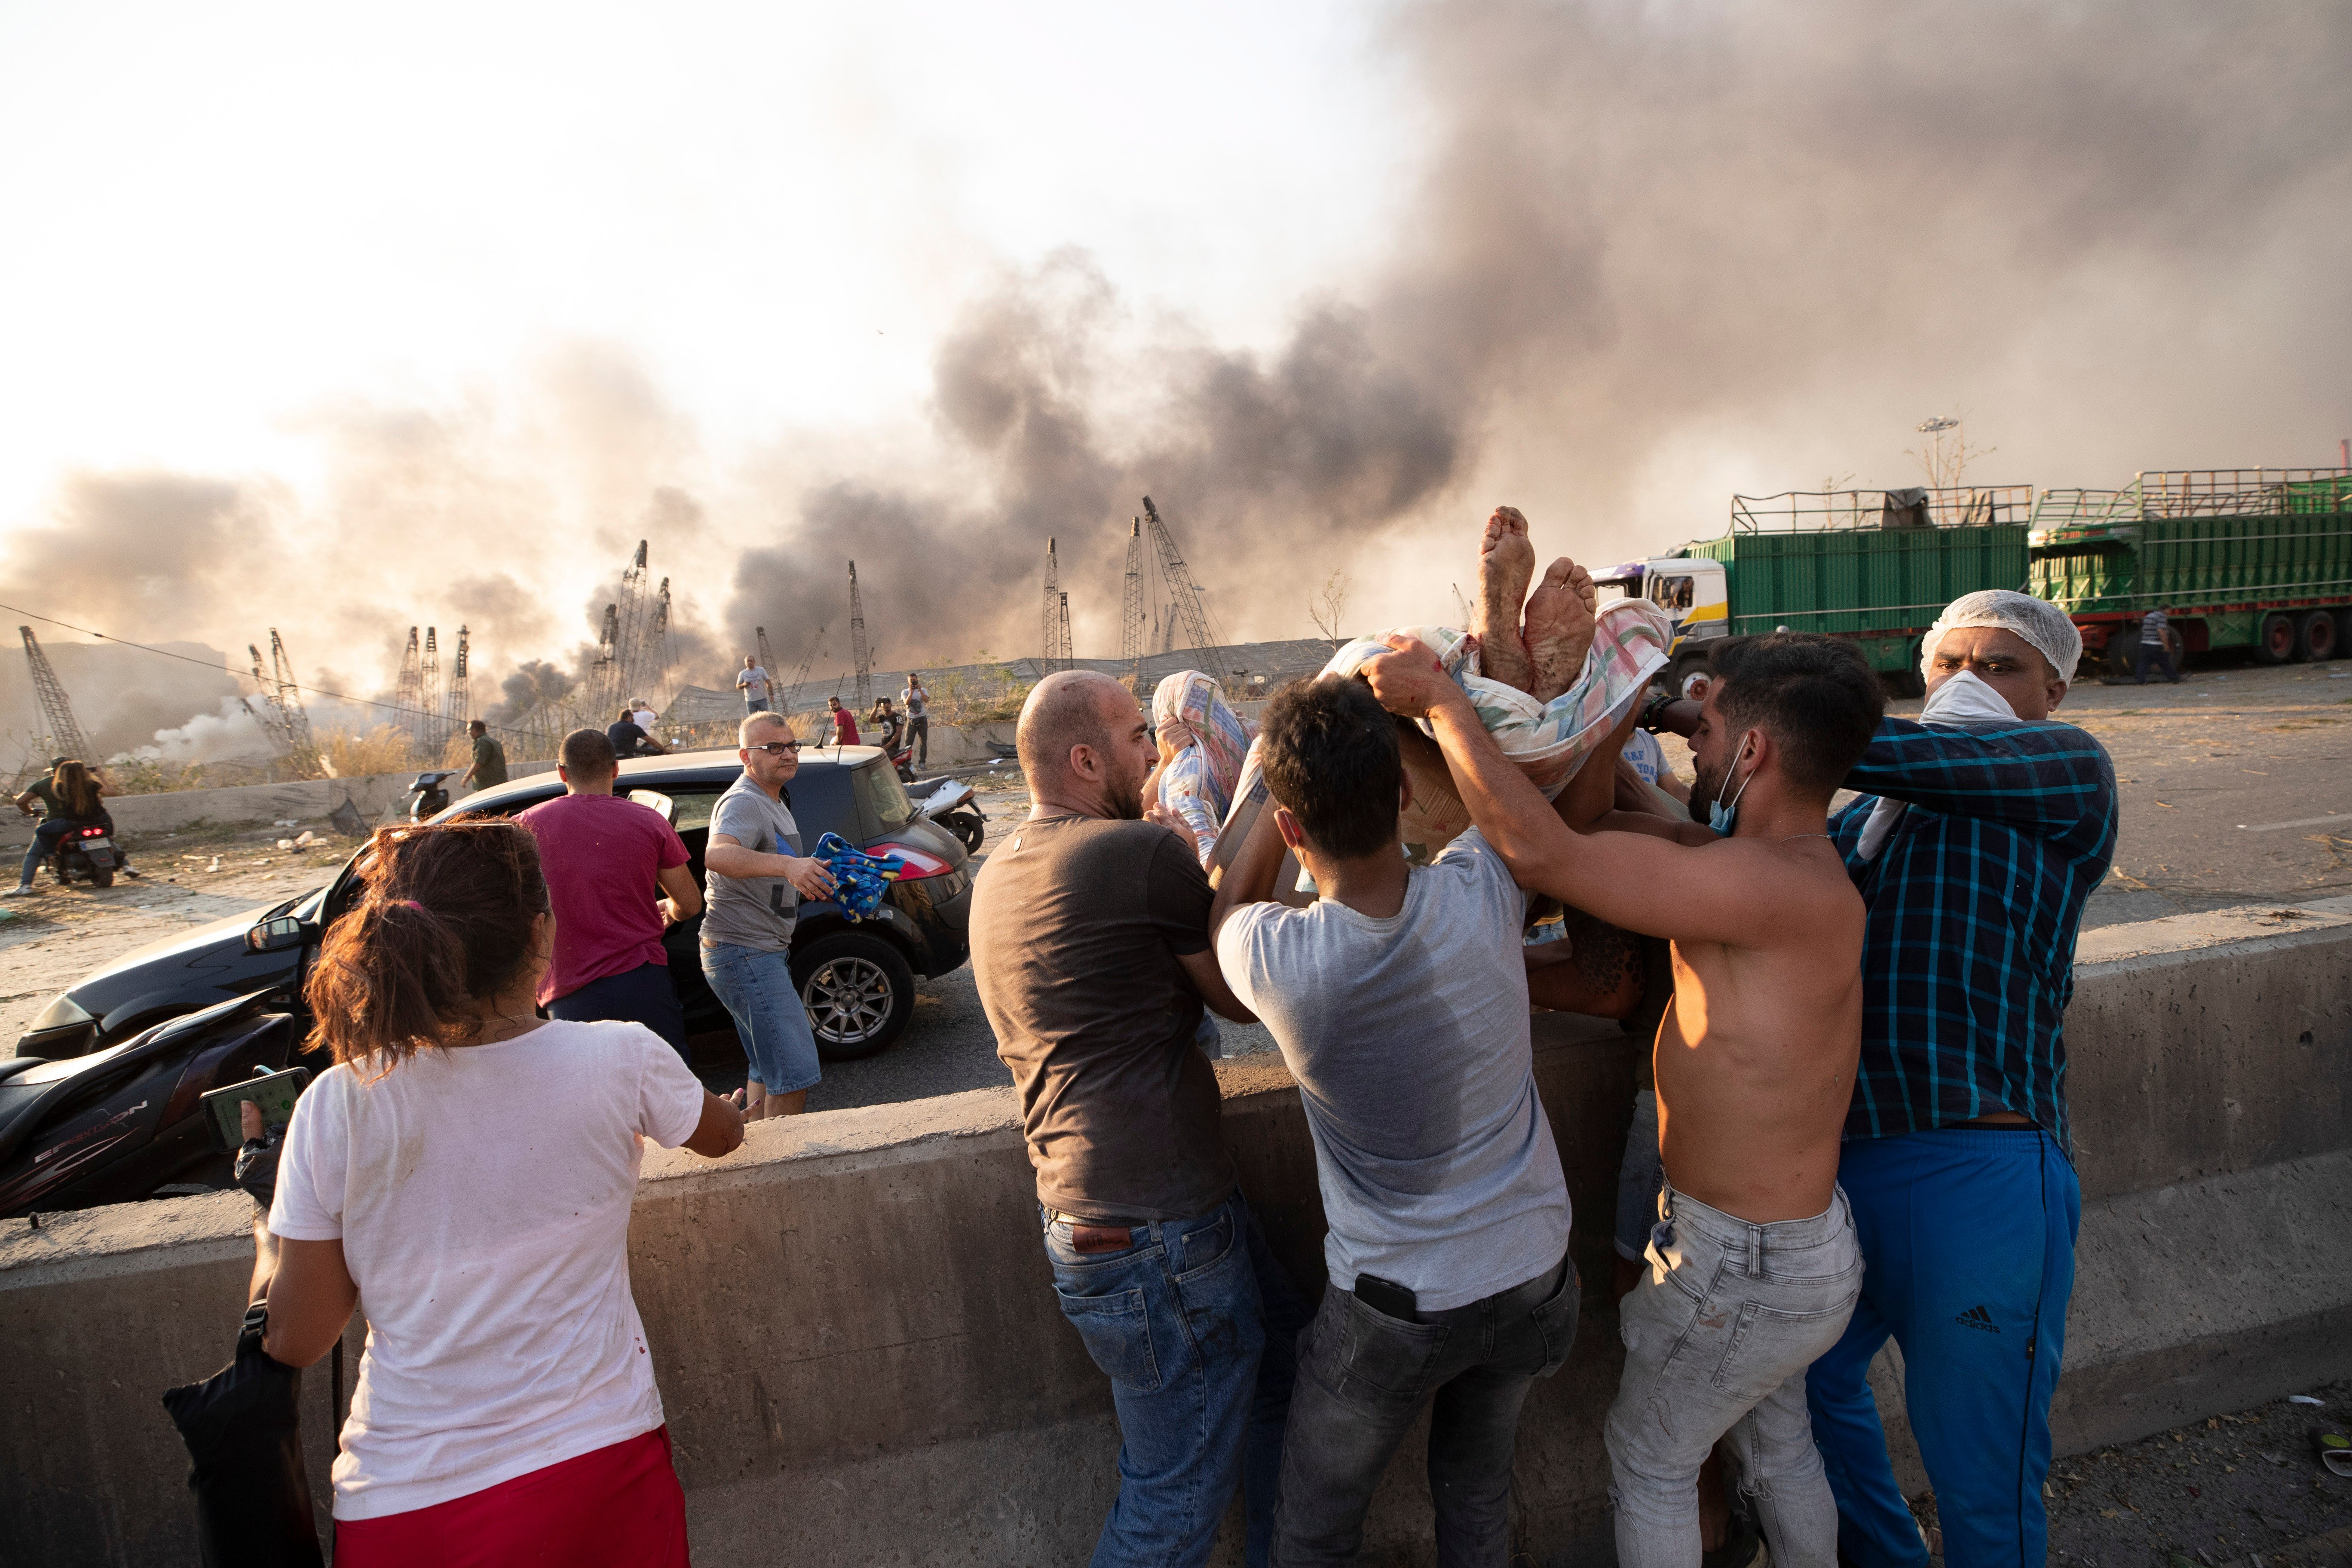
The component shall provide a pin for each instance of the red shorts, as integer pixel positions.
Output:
(620, 1505)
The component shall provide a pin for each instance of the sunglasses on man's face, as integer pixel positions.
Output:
(777, 748)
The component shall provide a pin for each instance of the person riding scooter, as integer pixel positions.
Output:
(71, 798)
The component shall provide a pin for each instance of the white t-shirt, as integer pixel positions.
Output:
(482, 1198)
(644, 718)
(1409, 1038)
(1649, 759)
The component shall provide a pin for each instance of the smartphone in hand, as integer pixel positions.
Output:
(274, 1093)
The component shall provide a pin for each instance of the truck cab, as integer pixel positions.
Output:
(1692, 589)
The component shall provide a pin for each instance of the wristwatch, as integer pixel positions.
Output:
(1654, 714)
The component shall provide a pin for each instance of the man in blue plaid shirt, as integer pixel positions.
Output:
(1990, 827)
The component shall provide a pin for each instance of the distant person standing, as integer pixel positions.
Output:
(887, 718)
(917, 703)
(844, 722)
(629, 738)
(752, 682)
(644, 717)
(489, 769)
(756, 877)
(2153, 647)
(605, 858)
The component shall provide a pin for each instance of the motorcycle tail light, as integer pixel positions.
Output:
(92, 833)
(920, 863)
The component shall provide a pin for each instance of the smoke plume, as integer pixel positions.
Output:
(1652, 254)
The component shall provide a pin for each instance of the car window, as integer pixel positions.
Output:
(821, 802)
(884, 796)
(694, 808)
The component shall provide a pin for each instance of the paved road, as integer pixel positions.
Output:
(2267, 749)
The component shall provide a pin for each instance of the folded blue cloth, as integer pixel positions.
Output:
(861, 881)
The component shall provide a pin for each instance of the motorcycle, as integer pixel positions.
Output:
(88, 855)
(431, 800)
(125, 1123)
(950, 803)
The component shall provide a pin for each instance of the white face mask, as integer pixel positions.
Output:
(1963, 699)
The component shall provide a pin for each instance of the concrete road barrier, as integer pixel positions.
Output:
(862, 1361)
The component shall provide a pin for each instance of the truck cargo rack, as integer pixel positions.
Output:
(2198, 492)
(1806, 512)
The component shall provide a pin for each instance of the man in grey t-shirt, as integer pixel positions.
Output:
(1400, 1001)
(754, 880)
(753, 683)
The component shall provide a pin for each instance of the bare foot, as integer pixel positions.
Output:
(1560, 627)
(1506, 562)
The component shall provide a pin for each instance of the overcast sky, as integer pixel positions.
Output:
(345, 320)
(223, 217)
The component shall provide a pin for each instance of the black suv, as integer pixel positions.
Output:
(857, 977)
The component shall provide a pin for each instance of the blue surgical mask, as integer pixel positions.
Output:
(1722, 817)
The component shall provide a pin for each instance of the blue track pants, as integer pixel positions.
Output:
(1967, 1242)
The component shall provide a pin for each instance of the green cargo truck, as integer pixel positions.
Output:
(1873, 566)
(2258, 558)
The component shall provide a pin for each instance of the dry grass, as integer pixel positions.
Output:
(348, 754)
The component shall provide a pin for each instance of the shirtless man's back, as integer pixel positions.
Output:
(1753, 1266)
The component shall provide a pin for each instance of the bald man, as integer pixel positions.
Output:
(1090, 945)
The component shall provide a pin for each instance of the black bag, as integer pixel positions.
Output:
(252, 1496)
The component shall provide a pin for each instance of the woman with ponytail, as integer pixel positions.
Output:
(466, 1167)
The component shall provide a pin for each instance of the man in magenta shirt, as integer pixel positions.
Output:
(606, 862)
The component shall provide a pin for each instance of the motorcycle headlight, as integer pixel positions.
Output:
(63, 1010)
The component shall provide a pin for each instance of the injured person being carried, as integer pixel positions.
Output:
(1550, 671)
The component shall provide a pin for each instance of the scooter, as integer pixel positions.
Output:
(950, 803)
(431, 800)
(86, 854)
(125, 1123)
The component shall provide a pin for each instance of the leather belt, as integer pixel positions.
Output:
(1088, 1237)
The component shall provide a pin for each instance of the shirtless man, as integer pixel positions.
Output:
(1753, 1266)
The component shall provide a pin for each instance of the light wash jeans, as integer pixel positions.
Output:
(1717, 1337)
(756, 988)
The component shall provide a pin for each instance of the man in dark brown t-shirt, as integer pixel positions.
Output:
(1094, 1013)
(1090, 945)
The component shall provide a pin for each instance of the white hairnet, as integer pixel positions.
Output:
(2038, 621)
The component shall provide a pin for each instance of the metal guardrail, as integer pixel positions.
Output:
(1805, 512)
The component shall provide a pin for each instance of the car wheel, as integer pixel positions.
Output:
(859, 992)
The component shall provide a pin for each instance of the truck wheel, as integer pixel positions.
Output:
(859, 990)
(2275, 639)
(2315, 636)
(1684, 667)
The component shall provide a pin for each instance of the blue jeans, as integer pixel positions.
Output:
(757, 990)
(1196, 1326)
(1967, 1239)
(755, 705)
(45, 837)
(641, 995)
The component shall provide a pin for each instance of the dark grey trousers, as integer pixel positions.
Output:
(1363, 1378)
